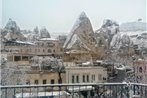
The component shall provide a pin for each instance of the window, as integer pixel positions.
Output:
(44, 81)
(93, 78)
(24, 58)
(17, 58)
(36, 82)
(73, 79)
(83, 78)
(77, 79)
(104, 78)
(53, 50)
(49, 50)
(87, 78)
(43, 50)
(140, 69)
(52, 81)
(99, 76)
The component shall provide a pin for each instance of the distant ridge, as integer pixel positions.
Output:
(133, 26)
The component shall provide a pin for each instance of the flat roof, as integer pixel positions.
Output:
(48, 39)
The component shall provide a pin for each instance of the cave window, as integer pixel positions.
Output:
(49, 50)
(140, 69)
(17, 58)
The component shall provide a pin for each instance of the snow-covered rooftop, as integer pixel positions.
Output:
(75, 51)
(48, 39)
(21, 42)
(42, 94)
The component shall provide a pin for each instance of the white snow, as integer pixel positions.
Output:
(42, 94)
(122, 67)
(44, 33)
(22, 42)
(133, 26)
(81, 34)
(86, 63)
(48, 39)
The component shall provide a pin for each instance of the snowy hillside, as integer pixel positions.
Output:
(133, 26)
(137, 32)
(138, 37)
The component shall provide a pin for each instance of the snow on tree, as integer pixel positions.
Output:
(49, 63)
(44, 33)
(11, 74)
(36, 30)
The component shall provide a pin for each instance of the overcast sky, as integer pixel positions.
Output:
(60, 15)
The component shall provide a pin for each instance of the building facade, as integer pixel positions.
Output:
(140, 67)
(88, 74)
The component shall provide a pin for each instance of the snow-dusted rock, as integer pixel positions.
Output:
(12, 26)
(126, 41)
(13, 31)
(116, 41)
(107, 31)
(81, 35)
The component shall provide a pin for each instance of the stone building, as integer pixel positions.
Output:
(23, 51)
(86, 74)
(140, 67)
(44, 77)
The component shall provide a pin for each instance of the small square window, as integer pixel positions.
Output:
(77, 78)
(52, 81)
(44, 81)
(83, 78)
(87, 78)
(73, 79)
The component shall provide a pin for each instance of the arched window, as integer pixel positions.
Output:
(49, 50)
(140, 69)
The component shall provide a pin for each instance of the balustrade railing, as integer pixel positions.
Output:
(79, 90)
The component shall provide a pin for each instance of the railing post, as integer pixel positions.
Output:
(6, 93)
(14, 93)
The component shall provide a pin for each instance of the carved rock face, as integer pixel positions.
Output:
(81, 35)
(13, 31)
